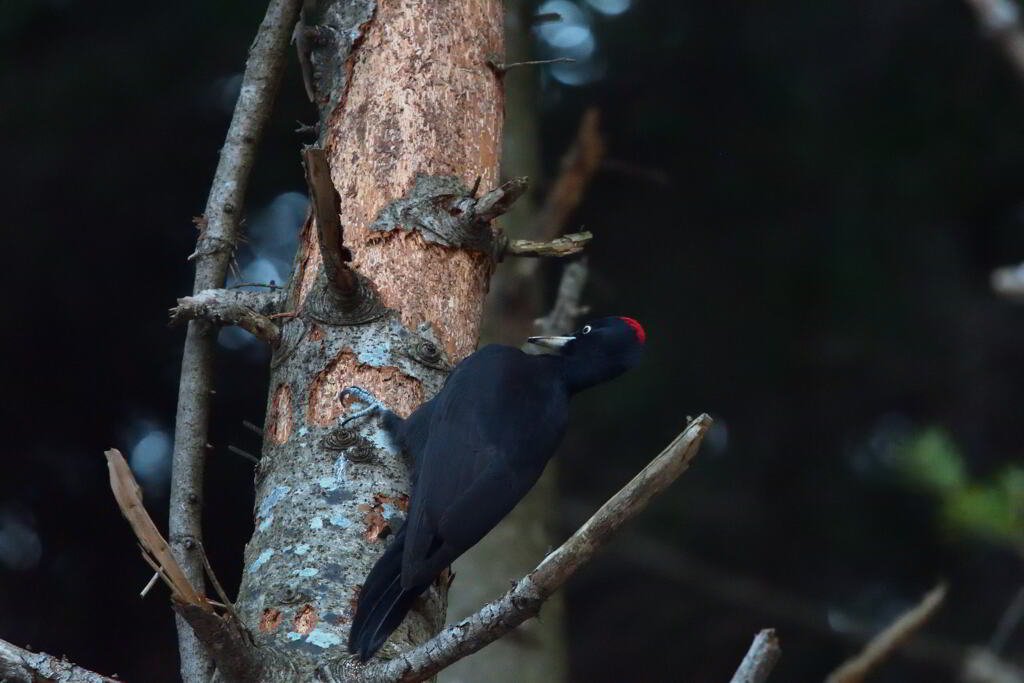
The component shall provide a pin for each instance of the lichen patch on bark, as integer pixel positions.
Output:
(280, 422)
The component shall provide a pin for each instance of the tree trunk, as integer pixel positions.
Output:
(536, 652)
(411, 117)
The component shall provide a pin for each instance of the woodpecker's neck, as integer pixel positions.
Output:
(584, 370)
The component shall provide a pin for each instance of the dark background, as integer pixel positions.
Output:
(803, 203)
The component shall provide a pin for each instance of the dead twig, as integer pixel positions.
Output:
(566, 245)
(226, 602)
(155, 549)
(1007, 623)
(578, 167)
(760, 659)
(325, 208)
(528, 594)
(889, 639)
(500, 69)
(245, 454)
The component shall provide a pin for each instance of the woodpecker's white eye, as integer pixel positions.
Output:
(586, 329)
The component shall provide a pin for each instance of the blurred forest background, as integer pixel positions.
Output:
(802, 201)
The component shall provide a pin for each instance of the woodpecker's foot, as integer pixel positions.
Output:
(362, 396)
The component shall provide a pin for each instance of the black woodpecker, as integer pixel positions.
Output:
(477, 448)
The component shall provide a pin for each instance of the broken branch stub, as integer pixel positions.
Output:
(243, 309)
(325, 206)
(446, 212)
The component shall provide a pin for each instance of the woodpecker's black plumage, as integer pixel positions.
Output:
(477, 447)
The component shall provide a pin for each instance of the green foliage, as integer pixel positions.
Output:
(931, 460)
(991, 510)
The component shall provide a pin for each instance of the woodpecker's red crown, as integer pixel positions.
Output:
(641, 336)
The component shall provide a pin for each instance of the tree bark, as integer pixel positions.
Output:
(411, 117)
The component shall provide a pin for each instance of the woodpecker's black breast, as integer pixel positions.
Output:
(477, 448)
(492, 429)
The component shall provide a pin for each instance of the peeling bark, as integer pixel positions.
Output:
(414, 99)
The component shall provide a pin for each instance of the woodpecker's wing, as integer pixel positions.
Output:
(493, 427)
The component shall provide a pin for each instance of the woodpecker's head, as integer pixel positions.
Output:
(598, 351)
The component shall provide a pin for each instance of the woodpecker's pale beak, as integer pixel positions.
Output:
(550, 342)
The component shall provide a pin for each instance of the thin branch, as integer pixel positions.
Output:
(565, 313)
(578, 167)
(214, 250)
(253, 428)
(760, 659)
(1008, 623)
(245, 454)
(566, 245)
(500, 68)
(149, 585)
(230, 307)
(889, 639)
(1000, 19)
(325, 208)
(18, 665)
(524, 600)
(226, 601)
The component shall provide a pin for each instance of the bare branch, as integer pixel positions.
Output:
(1000, 19)
(578, 166)
(22, 666)
(567, 245)
(525, 598)
(567, 309)
(214, 250)
(1007, 623)
(760, 659)
(231, 307)
(889, 639)
(325, 207)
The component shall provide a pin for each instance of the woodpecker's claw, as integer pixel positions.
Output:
(362, 396)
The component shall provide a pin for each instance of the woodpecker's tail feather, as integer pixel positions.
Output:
(383, 603)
